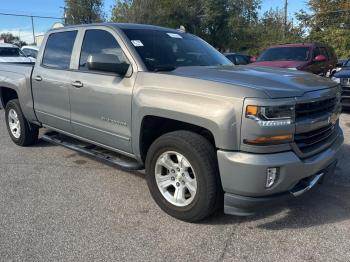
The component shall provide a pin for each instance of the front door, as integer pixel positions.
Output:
(101, 101)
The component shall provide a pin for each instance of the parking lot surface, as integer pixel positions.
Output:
(58, 205)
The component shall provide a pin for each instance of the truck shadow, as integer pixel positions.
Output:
(326, 204)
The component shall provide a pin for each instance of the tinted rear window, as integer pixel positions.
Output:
(58, 50)
(10, 52)
(285, 54)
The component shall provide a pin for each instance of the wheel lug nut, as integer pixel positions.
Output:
(172, 178)
(183, 182)
(177, 184)
(178, 169)
(183, 174)
(172, 171)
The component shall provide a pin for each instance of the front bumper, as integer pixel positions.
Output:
(243, 176)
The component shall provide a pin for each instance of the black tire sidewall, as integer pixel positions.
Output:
(14, 104)
(200, 200)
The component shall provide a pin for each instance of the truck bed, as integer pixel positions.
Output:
(24, 69)
(17, 77)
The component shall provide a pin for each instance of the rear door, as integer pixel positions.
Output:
(51, 81)
(101, 101)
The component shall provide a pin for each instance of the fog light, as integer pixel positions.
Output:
(271, 176)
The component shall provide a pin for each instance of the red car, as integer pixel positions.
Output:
(315, 58)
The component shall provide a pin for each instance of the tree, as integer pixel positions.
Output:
(328, 23)
(11, 39)
(214, 20)
(83, 11)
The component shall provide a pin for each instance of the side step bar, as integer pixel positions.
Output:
(92, 150)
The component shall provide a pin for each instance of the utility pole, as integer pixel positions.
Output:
(64, 14)
(285, 17)
(32, 18)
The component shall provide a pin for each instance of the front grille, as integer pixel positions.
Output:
(345, 81)
(310, 141)
(313, 109)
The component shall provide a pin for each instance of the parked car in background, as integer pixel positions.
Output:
(239, 59)
(315, 58)
(344, 76)
(12, 54)
(30, 51)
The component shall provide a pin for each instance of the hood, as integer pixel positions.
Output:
(276, 83)
(18, 59)
(281, 64)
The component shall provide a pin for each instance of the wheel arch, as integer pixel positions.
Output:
(7, 94)
(153, 126)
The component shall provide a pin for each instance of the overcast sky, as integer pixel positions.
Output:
(22, 25)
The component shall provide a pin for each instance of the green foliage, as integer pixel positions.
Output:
(329, 23)
(338, 38)
(234, 25)
(83, 11)
(11, 39)
(220, 22)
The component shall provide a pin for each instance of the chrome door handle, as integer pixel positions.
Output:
(77, 84)
(38, 78)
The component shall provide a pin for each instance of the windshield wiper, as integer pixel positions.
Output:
(161, 68)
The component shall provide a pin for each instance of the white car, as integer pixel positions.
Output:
(30, 51)
(12, 54)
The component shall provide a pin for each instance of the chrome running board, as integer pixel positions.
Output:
(92, 150)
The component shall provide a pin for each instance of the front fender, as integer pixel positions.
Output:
(220, 115)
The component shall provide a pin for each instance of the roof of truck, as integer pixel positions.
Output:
(120, 25)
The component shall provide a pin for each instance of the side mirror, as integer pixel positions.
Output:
(107, 63)
(252, 59)
(320, 58)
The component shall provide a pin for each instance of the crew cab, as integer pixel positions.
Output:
(208, 133)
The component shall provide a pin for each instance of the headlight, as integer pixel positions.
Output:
(292, 68)
(271, 115)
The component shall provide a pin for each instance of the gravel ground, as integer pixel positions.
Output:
(58, 205)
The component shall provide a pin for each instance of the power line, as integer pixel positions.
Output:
(32, 20)
(34, 16)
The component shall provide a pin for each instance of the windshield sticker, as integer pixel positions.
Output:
(174, 35)
(136, 42)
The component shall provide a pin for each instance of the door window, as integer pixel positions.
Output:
(100, 42)
(58, 49)
(241, 60)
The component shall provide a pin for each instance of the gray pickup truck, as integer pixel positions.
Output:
(208, 133)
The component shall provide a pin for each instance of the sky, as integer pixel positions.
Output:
(22, 25)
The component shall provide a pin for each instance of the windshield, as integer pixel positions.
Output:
(11, 52)
(164, 51)
(285, 54)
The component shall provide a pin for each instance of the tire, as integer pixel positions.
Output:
(26, 134)
(197, 152)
